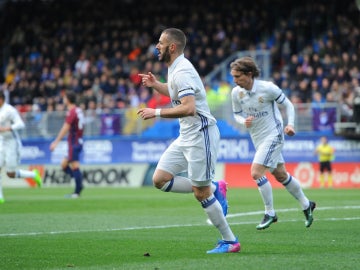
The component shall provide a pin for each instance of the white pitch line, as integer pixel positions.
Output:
(190, 225)
(293, 210)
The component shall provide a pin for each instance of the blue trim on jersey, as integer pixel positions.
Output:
(188, 94)
(282, 100)
(206, 203)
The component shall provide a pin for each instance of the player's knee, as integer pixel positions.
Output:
(281, 176)
(256, 175)
(158, 183)
(11, 174)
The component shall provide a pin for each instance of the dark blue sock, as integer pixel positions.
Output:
(68, 171)
(78, 180)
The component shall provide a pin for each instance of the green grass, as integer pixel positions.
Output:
(112, 228)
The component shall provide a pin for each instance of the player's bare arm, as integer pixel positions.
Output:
(186, 108)
(4, 129)
(149, 80)
(63, 131)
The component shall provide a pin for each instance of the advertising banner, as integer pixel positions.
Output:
(115, 175)
(345, 175)
(236, 150)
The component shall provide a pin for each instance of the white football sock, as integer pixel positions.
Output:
(214, 211)
(24, 174)
(179, 184)
(265, 190)
(293, 187)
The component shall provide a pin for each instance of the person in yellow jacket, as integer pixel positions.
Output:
(326, 155)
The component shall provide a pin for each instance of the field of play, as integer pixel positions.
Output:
(144, 228)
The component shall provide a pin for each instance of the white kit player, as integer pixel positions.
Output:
(255, 105)
(195, 149)
(10, 144)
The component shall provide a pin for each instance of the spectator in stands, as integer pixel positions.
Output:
(158, 101)
(332, 44)
(356, 109)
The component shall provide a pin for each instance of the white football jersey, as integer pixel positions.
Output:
(260, 103)
(184, 80)
(9, 116)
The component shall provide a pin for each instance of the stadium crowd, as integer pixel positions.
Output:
(97, 48)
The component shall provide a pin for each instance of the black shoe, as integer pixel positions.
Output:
(266, 222)
(309, 214)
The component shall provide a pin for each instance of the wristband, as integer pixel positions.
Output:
(157, 112)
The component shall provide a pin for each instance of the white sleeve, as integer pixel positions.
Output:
(290, 111)
(236, 107)
(17, 122)
(240, 119)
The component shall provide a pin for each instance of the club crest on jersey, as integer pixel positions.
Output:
(261, 100)
(241, 95)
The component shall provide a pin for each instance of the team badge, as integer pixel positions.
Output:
(261, 100)
(241, 95)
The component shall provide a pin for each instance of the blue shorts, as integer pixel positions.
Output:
(74, 152)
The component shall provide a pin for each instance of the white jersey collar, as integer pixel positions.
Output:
(176, 61)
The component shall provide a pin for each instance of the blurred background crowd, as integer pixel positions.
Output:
(98, 48)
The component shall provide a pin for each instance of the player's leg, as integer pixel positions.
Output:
(202, 156)
(329, 175)
(2, 200)
(322, 174)
(265, 155)
(65, 166)
(292, 185)
(228, 243)
(73, 163)
(12, 160)
(166, 175)
(173, 162)
(2, 162)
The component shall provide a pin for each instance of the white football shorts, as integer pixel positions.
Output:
(198, 159)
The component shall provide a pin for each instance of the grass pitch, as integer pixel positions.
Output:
(121, 228)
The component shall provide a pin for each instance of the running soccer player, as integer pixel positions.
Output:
(73, 126)
(10, 144)
(254, 104)
(195, 149)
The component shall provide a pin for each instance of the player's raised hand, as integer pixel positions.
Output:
(148, 79)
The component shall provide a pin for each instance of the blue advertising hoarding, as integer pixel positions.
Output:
(232, 150)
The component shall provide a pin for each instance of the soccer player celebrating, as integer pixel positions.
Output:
(10, 144)
(195, 149)
(254, 104)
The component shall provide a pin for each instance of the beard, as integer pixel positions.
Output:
(165, 56)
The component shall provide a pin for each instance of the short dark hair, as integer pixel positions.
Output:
(177, 36)
(246, 64)
(71, 96)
